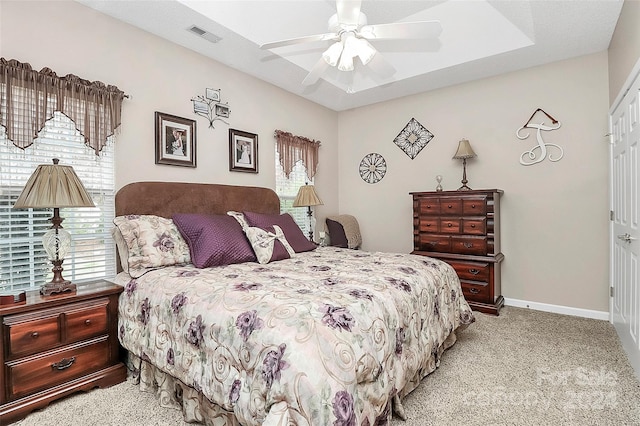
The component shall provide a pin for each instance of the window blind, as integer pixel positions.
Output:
(287, 189)
(23, 261)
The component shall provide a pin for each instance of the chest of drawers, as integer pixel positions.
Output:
(56, 345)
(463, 229)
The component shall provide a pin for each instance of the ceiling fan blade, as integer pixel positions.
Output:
(299, 40)
(417, 29)
(315, 73)
(348, 11)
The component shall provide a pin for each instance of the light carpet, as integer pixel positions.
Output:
(523, 367)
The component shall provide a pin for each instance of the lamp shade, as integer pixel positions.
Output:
(53, 186)
(464, 150)
(307, 197)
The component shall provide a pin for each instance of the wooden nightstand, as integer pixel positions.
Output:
(55, 345)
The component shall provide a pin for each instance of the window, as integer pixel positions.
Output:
(23, 261)
(287, 189)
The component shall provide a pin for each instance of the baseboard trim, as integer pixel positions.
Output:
(557, 309)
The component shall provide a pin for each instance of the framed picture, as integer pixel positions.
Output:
(213, 95)
(222, 110)
(175, 140)
(200, 107)
(243, 151)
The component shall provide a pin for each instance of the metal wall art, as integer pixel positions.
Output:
(211, 107)
(413, 138)
(539, 153)
(372, 168)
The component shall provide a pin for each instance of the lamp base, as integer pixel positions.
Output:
(53, 288)
(464, 188)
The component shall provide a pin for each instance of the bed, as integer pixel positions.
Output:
(319, 336)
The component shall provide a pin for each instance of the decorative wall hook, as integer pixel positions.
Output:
(531, 157)
(211, 107)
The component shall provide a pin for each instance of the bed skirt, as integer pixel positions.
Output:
(196, 408)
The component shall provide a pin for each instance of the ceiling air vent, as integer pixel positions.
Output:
(204, 34)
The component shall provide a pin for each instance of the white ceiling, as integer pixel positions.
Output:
(479, 39)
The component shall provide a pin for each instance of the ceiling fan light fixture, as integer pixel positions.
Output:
(346, 63)
(332, 54)
(365, 50)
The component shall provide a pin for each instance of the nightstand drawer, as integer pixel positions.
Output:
(87, 322)
(475, 271)
(46, 370)
(29, 335)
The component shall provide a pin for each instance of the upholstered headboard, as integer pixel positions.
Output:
(166, 198)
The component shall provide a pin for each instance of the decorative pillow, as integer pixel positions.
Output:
(152, 242)
(214, 240)
(240, 218)
(269, 244)
(291, 230)
(123, 250)
(337, 237)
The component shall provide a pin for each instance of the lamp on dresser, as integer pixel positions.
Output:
(464, 151)
(55, 186)
(307, 197)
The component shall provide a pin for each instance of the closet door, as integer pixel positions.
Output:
(625, 243)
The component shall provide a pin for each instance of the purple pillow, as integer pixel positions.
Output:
(214, 240)
(337, 237)
(292, 232)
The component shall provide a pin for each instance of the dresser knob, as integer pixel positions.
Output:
(474, 271)
(467, 245)
(473, 206)
(35, 334)
(474, 291)
(449, 225)
(87, 322)
(449, 206)
(473, 225)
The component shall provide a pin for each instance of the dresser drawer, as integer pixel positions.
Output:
(475, 206)
(469, 245)
(429, 206)
(431, 242)
(475, 271)
(450, 226)
(87, 322)
(451, 206)
(29, 335)
(476, 291)
(52, 368)
(429, 224)
(474, 226)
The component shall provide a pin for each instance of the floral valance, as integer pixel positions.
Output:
(29, 98)
(297, 148)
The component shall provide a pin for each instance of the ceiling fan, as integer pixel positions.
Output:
(350, 32)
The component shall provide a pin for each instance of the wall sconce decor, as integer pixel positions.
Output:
(211, 107)
(55, 186)
(464, 151)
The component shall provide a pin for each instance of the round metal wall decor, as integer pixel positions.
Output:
(373, 168)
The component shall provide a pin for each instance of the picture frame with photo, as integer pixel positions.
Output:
(175, 139)
(213, 94)
(222, 110)
(243, 151)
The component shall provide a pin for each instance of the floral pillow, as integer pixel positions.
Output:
(269, 244)
(153, 242)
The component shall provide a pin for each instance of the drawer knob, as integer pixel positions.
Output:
(473, 225)
(63, 364)
(474, 290)
(449, 206)
(449, 225)
(467, 245)
(474, 271)
(35, 334)
(87, 322)
(473, 206)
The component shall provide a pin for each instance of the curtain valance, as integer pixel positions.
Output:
(31, 97)
(297, 148)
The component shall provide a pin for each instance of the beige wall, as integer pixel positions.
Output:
(624, 49)
(554, 215)
(160, 76)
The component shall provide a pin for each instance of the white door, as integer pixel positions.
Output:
(625, 250)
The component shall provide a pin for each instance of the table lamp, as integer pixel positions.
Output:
(307, 197)
(464, 151)
(54, 186)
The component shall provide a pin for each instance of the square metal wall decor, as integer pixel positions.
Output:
(413, 138)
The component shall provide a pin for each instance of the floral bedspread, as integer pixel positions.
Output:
(331, 336)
